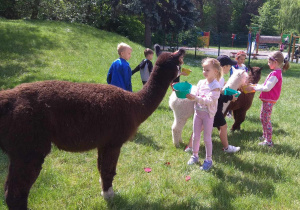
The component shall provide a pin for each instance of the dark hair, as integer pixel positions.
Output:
(148, 51)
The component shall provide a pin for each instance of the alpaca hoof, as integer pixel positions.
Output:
(108, 194)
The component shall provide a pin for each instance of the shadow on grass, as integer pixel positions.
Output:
(242, 185)
(140, 138)
(21, 44)
(118, 202)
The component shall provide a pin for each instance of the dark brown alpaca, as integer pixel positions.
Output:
(76, 117)
(244, 101)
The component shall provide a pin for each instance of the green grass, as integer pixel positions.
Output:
(254, 178)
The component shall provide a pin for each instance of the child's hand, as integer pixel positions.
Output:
(191, 97)
(234, 98)
(183, 73)
(249, 88)
(172, 84)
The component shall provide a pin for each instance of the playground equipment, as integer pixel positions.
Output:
(296, 42)
(283, 39)
(255, 39)
(205, 36)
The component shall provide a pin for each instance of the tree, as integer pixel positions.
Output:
(168, 15)
(289, 16)
(35, 9)
(8, 9)
(268, 18)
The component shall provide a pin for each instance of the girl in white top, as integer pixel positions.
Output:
(240, 58)
(208, 92)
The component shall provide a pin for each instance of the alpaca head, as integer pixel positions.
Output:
(157, 50)
(254, 74)
(169, 63)
(237, 79)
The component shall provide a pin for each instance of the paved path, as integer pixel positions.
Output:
(214, 51)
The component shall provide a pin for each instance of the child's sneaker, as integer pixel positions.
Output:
(188, 149)
(232, 149)
(266, 143)
(261, 138)
(206, 165)
(193, 160)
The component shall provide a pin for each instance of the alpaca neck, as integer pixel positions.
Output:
(153, 93)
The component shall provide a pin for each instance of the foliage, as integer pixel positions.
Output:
(128, 26)
(289, 16)
(190, 38)
(170, 16)
(277, 16)
(268, 19)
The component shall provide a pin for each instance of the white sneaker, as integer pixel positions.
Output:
(261, 138)
(193, 160)
(188, 149)
(232, 149)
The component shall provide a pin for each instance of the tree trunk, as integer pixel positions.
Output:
(147, 33)
(35, 9)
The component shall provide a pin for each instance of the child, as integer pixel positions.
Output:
(240, 57)
(145, 67)
(208, 92)
(270, 92)
(219, 120)
(119, 73)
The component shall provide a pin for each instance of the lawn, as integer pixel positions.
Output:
(254, 178)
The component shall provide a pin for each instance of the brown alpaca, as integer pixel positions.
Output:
(76, 117)
(244, 101)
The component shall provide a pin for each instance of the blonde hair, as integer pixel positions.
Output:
(278, 56)
(216, 65)
(122, 46)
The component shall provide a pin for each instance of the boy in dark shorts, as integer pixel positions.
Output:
(219, 120)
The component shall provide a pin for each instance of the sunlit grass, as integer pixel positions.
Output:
(254, 178)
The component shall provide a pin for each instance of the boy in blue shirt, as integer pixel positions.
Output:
(119, 73)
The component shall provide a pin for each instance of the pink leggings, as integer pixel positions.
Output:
(201, 118)
(265, 118)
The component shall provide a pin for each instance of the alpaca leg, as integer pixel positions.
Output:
(177, 128)
(23, 172)
(107, 163)
(239, 118)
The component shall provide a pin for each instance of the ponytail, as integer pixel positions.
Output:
(220, 74)
(286, 65)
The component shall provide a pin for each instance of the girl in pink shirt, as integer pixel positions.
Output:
(270, 92)
(207, 95)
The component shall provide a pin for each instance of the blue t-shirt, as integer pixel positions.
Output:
(119, 74)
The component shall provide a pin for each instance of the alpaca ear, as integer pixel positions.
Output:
(251, 69)
(157, 50)
(180, 52)
(260, 68)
